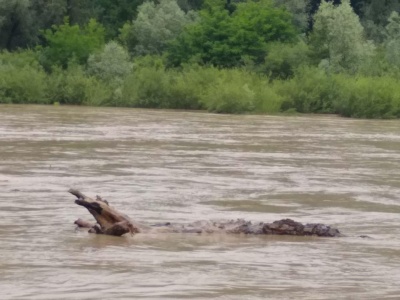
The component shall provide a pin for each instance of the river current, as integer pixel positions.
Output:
(160, 166)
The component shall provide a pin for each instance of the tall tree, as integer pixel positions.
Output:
(188, 5)
(300, 11)
(115, 13)
(224, 39)
(375, 16)
(81, 11)
(112, 64)
(338, 37)
(392, 43)
(48, 13)
(68, 42)
(17, 24)
(156, 25)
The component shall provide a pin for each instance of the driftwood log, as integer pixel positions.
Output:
(112, 222)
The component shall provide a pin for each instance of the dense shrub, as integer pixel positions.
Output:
(22, 85)
(229, 94)
(267, 100)
(187, 86)
(145, 88)
(73, 86)
(239, 91)
(368, 97)
(311, 90)
(194, 87)
(22, 80)
(151, 85)
(154, 86)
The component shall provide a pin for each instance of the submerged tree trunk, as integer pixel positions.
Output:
(112, 222)
(109, 220)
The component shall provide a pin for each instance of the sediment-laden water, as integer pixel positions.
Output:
(161, 166)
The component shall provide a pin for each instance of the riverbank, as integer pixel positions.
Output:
(311, 90)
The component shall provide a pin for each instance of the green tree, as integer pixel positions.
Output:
(81, 11)
(338, 38)
(227, 40)
(156, 25)
(284, 59)
(21, 20)
(375, 16)
(127, 37)
(206, 41)
(115, 13)
(111, 64)
(17, 27)
(392, 43)
(187, 5)
(299, 10)
(48, 13)
(66, 42)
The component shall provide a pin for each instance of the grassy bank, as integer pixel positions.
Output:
(151, 85)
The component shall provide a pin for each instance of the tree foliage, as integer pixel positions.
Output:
(115, 13)
(284, 59)
(66, 42)
(157, 24)
(392, 43)
(48, 13)
(112, 63)
(338, 38)
(231, 56)
(299, 9)
(17, 24)
(375, 16)
(224, 39)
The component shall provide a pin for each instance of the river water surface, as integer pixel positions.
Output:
(160, 166)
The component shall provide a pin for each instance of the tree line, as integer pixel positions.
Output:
(229, 56)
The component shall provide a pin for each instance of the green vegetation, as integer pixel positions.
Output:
(71, 42)
(243, 56)
(225, 39)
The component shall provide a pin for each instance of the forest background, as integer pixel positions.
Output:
(227, 56)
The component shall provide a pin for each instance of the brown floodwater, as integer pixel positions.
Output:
(160, 166)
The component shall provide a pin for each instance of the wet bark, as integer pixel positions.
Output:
(112, 222)
(109, 220)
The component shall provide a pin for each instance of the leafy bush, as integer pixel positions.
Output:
(22, 85)
(311, 90)
(151, 85)
(229, 94)
(195, 87)
(240, 91)
(20, 59)
(22, 80)
(186, 86)
(368, 97)
(73, 86)
(145, 88)
(267, 100)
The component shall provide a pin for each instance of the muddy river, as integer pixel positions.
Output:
(160, 166)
